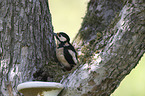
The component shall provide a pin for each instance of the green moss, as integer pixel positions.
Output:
(90, 21)
(86, 54)
(99, 35)
(92, 42)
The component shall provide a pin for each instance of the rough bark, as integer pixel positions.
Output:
(110, 44)
(26, 43)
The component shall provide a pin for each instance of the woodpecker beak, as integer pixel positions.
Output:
(55, 34)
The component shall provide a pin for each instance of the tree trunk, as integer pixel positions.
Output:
(26, 43)
(109, 44)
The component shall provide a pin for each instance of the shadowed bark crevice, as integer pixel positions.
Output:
(110, 43)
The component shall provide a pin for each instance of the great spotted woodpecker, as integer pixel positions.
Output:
(65, 52)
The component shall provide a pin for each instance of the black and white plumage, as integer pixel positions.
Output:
(65, 52)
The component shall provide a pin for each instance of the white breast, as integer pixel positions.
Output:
(61, 58)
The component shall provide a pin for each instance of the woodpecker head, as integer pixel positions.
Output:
(62, 37)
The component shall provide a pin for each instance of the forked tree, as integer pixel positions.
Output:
(110, 43)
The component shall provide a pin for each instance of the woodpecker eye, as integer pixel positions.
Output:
(59, 35)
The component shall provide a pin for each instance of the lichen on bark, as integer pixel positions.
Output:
(107, 60)
(109, 44)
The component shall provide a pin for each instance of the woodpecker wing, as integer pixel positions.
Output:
(73, 54)
(70, 55)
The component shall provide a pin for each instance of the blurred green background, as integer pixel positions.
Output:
(67, 17)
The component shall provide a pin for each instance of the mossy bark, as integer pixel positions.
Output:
(109, 44)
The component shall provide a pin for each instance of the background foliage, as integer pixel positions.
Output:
(67, 17)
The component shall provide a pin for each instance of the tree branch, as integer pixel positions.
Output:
(120, 48)
(110, 44)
